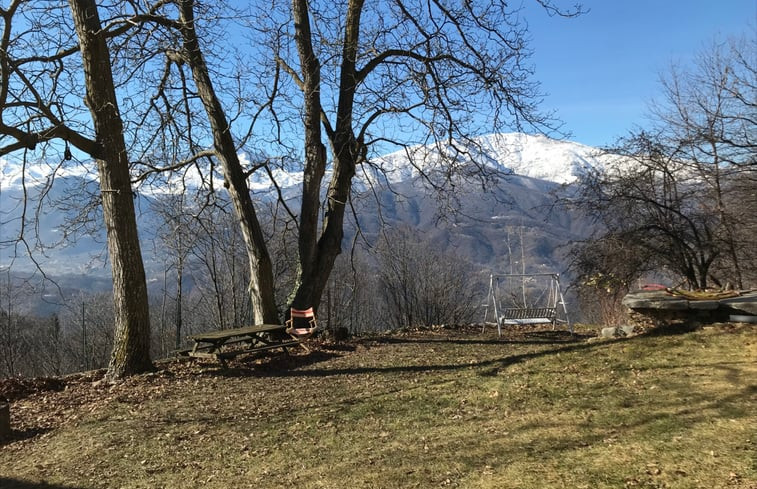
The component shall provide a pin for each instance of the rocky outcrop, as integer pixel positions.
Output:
(659, 306)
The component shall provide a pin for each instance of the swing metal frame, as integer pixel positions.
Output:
(555, 311)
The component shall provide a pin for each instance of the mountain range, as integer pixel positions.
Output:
(487, 221)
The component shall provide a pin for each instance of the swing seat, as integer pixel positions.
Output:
(529, 315)
(300, 316)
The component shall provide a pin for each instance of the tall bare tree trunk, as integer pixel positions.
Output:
(405, 67)
(318, 253)
(179, 324)
(315, 157)
(261, 286)
(131, 348)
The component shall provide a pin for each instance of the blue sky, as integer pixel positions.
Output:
(601, 70)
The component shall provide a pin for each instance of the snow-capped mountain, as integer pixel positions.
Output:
(533, 156)
(528, 170)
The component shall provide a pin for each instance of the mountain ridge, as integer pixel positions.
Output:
(514, 153)
(529, 170)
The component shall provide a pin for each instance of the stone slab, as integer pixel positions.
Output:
(746, 303)
(704, 305)
(659, 300)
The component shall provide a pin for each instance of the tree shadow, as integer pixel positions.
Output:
(522, 338)
(8, 483)
(673, 329)
(564, 342)
(273, 364)
(692, 406)
(496, 363)
(20, 435)
(283, 365)
(339, 347)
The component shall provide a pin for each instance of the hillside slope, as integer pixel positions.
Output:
(441, 408)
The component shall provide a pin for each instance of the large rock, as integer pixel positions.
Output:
(611, 332)
(662, 305)
(744, 304)
(654, 300)
(704, 305)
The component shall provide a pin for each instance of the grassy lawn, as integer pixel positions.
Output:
(440, 408)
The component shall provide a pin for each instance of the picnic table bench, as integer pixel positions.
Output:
(249, 339)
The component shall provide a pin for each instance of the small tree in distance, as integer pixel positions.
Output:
(674, 199)
(605, 270)
(422, 285)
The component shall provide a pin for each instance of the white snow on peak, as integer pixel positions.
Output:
(261, 182)
(16, 175)
(534, 156)
(540, 157)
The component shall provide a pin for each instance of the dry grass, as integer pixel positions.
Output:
(433, 409)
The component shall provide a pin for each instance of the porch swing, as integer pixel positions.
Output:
(545, 305)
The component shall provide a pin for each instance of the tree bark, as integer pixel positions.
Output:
(261, 287)
(131, 348)
(315, 158)
(179, 300)
(318, 254)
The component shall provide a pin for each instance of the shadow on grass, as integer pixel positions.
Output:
(7, 483)
(20, 435)
(673, 329)
(664, 418)
(273, 365)
(283, 366)
(525, 338)
(564, 342)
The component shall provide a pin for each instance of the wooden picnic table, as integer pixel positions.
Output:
(248, 339)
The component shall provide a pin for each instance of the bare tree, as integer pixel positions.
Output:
(708, 119)
(649, 201)
(261, 272)
(351, 303)
(605, 269)
(45, 350)
(216, 266)
(175, 43)
(86, 331)
(398, 72)
(677, 194)
(174, 239)
(11, 334)
(131, 348)
(37, 99)
(423, 286)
